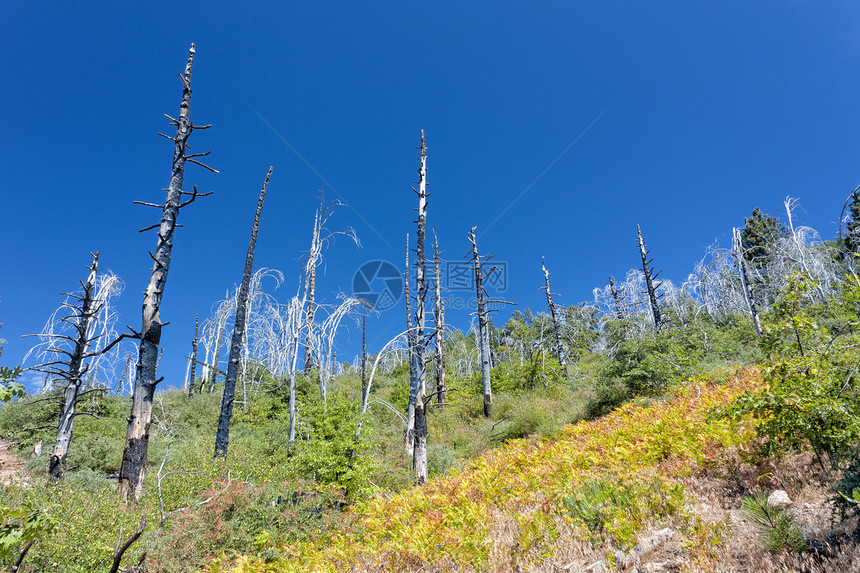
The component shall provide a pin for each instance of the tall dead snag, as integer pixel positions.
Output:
(483, 319)
(419, 452)
(649, 281)
(742, 271)
(440, 328)
(72, 369)
(193, 375)
(616, 299)
(213, 370)
(134, 455)
(559, 348)
(363, 356)
(409, 435)
(223, 434)
(310, 286)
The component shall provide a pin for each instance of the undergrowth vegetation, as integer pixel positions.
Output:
(597, 451)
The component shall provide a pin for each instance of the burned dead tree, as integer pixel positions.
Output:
(419, 451)
(439, 328)
(310, 286)
(616, 299)
(559, 348)
(483, 315)
(649, 281)
(213, 369)
(409, 434)
(742, 271)
(193, 375)
(222, 437)
(136, 449)
(71, 367)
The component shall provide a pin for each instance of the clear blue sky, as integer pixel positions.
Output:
(698, 113)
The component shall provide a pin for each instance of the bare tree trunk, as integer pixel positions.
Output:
(440, 329)
(742, 270)
(218, 342)
(222, 437)
(409, 436)
(88, 309)
(310, 286)
(483, 323)
(559, 348)
(193, 375)
(649, 281)
(419, 457)
(616, 298)
(363, 356)
(134, 455)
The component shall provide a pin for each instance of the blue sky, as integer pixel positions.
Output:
(679, 116)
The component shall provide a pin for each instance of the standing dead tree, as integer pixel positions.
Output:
(419, 452)
(193, 375)
(73, 343)
(439, 328)
(559, 347)
(483, 314)
(616, 299)
(75, 349)
(742, 271)
(649, 281)
(320, 238)
(136, 449)
(413, 369)
(222, 436)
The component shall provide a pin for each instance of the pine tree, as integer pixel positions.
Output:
(852, 229)
(759, 233)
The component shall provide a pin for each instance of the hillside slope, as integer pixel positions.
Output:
(545, 505)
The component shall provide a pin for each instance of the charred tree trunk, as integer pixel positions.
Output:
(193, 375)
(222, 437)
(87, 311)
(413, 371)
(440, 330)
(616, 299)
(136, 449)
(742, 271)
(419, 456)
(649, 281)
(559, 348)
(483, 323)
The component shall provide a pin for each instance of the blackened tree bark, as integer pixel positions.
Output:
(419, 452)
(133, 468)
(616, 299)
(440, 329)
(222, 437)
(193, 375)
(742, 271)
(559, 348)
(81, 318)
(649, 281)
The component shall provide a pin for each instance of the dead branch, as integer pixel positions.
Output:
(119, 551)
